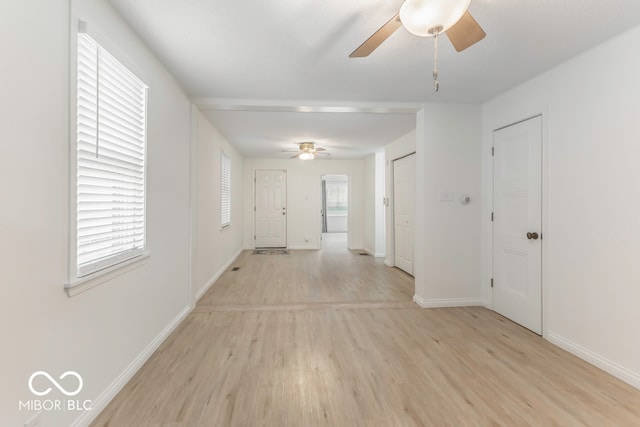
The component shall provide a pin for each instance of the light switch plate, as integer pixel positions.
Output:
(446, 196)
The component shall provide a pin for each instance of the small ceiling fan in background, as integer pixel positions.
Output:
(307, 151)
(429, 18)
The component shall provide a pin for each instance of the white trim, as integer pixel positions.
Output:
(544, 228)
(225, 196)
(374, 254)
(216, 276)
(78, 286)
(303, 248)
(125, 376)
(606, 365)
(447, 302)
(304, 106)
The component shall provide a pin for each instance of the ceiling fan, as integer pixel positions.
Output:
(427, 18)
(307, 151)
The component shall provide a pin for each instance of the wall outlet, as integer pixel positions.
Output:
(34, 421)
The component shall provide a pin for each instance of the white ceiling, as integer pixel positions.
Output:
(252, 65)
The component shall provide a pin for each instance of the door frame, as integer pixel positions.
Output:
(544, 116)
(255, 207)
(390, 258)
(393, 210)
(349, 205)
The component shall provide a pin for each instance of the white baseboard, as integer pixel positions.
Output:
(374, 254)
(216, 276)
(114, 388)
(631, 378)
(303, 248)
(446, 302)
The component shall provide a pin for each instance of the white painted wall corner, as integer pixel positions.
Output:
(216, 276)
(114, 388)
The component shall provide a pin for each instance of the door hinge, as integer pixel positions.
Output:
(491, 216)
(492, 282)
(254, 237)
(493, 151)
(254, 208)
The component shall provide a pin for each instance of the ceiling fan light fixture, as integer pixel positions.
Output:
(306, 156)
(421, 17)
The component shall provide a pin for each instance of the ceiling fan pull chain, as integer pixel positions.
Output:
(436, 84)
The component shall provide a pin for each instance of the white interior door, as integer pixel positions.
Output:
(271, 209)
(517, 227)
(403, 211)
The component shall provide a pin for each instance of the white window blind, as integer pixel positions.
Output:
(111, 134)
(225, 190)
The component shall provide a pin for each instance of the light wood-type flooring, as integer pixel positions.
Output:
(331, 338)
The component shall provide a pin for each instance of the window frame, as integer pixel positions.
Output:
(76, 281)
(225, 190)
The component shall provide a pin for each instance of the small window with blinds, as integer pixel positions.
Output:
(225, 190)
(110, 175)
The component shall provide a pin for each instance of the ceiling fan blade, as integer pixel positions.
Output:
(377, 38)
(465, 32)
(295, 155)
(291, 151)
(320, 149)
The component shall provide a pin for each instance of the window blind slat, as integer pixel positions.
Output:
(104, 221)
(89, 144)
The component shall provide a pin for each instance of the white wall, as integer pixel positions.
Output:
(304, 198)
(369, 226)
(374, 215)
(591, 206)
(447, 263)
(379, 208)
(401, 147)
(101, 332)
(215, 248)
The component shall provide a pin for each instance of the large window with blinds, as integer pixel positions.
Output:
(225, 190)
(110, 167)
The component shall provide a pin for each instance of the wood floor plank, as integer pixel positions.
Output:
(331, 338)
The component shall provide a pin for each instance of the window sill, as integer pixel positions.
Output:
(78, 286)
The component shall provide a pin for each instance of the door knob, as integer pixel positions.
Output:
(532, 236)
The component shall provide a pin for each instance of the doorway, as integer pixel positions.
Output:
(517, 223)
(335, 211)
(270, 207)
(404, 190)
